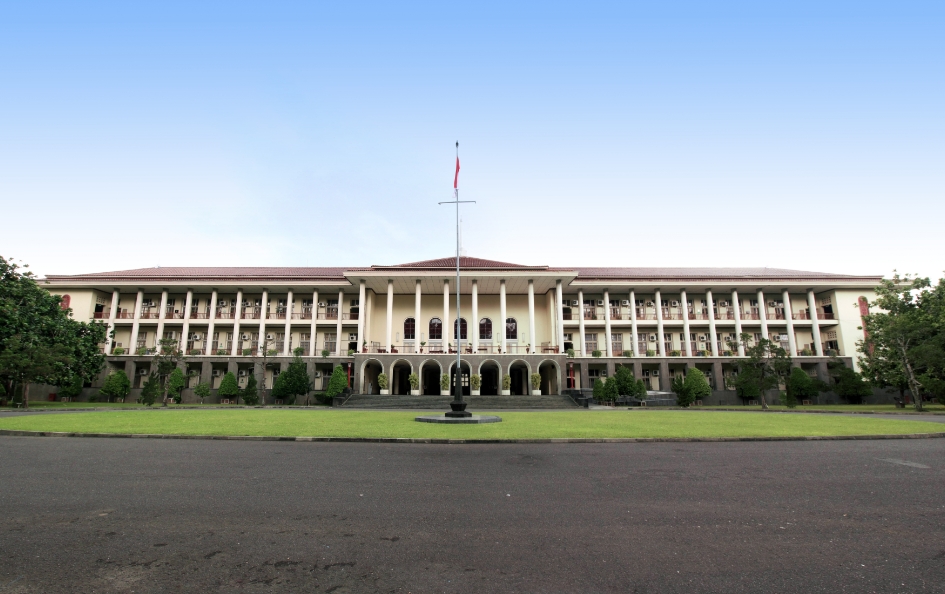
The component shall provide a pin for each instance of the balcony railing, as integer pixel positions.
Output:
(725, 315)
(305, 315)
(149, 315)
(125, 315)
(700, 315)
(571, 315)
(350, 316)
(170, 314)
(275, 315)
(775, 314)
(220, 345)
(100, 315)
(200, 315)
(328, 315)
(825, 316)
(226, 313)
(750, 315)
(250, 313)
(330, 346)
(590, 346)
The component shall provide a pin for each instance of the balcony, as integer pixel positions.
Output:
(125, 315)
(221, 347)
(350, 316)
(251, 313)
(225, 313)
(276, 315)
(199, 315)
(592, 314)
(100, 315)
(305, 315)
(826, 316)
(725, 315)
(750, 315)
(702, 315)
(147, 314)
(170, 314)
(776, 314)
(331, 314)
(330, 346)
(570, 316)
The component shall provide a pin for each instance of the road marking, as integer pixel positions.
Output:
(903, 462)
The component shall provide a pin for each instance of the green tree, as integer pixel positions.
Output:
(202, 391)
(71, 388)
(175, 383)
(800, 386)
(338, 382)
(295, 380)
(678, 386)
(764, 367)
(746, 384)
(167, 358)
(249, 393)
(150, 390)
(610, 392)
(116, 385)
(598, 389)
(641, 391)
(229, 387)
(697, 386)
(626, 383)
(851, 385)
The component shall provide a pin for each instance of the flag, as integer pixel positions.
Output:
(456, 177)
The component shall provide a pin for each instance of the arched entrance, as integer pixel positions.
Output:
(430, 378)
(549, 377)
(489, 372)
(519, 371)
(369, 372)
(400, 377)
(465, 378)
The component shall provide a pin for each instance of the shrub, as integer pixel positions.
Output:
(697, 385)
(788, 400)
(272, 353)
(350, 352)
(281, 390)
(414, 381)
(194, 352)
(610, 390)
(221, 353)
(117, 385)
(202, 390)
(176, 383)
(150, 391)
(596, 353)
(118, 351)
(382, 381)
(536, 380)
(70, 389)
(445, 381)
(570, 353)
(800, 386)
(641, 392)
(338, 382)
(229, 387)
(250, 393)
(625, 381)
(628, 353)
(506, 382)
(325, 353)
(650, 353)
(674, 353)
(806, 352)
(598, 389)
(475, 381)
(298, 351)
(850, 385)
(247, 352)
(141, 351)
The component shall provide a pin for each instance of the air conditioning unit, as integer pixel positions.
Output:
(318, 374)
(142, 371)
(772, 303)
(223, 303)
(723, 303)
(217, 373)
(270, 337)
(655, 373)
(703, 337)
(625, 303)
(177, 311)
(780, 304)
(674, 303)
(244, 372)
(352, 337)
(600, 302)
(244, 337)
(147, 303)
(196, 336)
(782, 337)
(652, 338)
(322, 304)
(649, 304)
(575, 303)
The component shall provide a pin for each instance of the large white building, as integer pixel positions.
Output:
(515, 319)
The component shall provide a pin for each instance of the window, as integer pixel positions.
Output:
(485, 329)
(462, 327)
(511, 329)
(410, 329)
(436, 329)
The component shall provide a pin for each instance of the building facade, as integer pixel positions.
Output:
(568, 324)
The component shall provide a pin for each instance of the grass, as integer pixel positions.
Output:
(879, 408)
(515, 425)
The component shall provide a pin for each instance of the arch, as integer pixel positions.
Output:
(399, 376)
(462, 327)
(520, 370)
(485, 329)
(435, 329)
(466, 369)
(550, 377)
(430, 371)
(511, 329)
(410, 329)
(370, 369)
(491, 373)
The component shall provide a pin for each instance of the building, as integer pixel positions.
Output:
(515, 319)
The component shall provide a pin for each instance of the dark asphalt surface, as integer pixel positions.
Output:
(128, 515)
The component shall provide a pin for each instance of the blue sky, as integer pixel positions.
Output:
(805, 135)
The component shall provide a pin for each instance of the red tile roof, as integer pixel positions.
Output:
(211, 273)
(707, 273)
(464, 262)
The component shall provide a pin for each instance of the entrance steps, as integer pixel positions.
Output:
(554, 401)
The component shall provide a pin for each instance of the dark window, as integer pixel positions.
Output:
(485, 329)
(462, 326)
(511, 329)
(410, 329)
(436, 329)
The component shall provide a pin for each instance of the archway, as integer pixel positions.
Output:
(400, 377)
(370, 369)
(519, 370)
(465, 378)
(550, 377)
(489, 372)
(430, 377)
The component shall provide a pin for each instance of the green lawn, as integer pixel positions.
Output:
(515, 425)
(880, 408)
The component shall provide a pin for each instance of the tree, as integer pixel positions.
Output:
(116, 385)
(851, 385)
(175, 383)
(641, 391)
(338, 382)
(294, 381)
(690, 388)
(151, 389)
(746, 384)
(678, 386)
(766, 364)
(249, 393)
(625, 381)
(229, 388)
(598, 389)
(800, 386)
(610, 391)
(72, 388)
(167, 358)
(202, 390)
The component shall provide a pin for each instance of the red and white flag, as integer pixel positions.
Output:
(456, 177)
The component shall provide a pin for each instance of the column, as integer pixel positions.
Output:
(687, 344)
(161, 315)
(789, 318)
(390, 315)
(500, 327)
(288, 322)
(551, 321)
(338, 342)
(609, 350)
(417, 298)
(213, 317)
(263, 314)
(312, 343)
(185, 333)
(814, 323)
(475, 316)
(665, 383)
(713, 337)
(531, 316)
(560, 311)
(718, 380)
(112, 314)
(237, 343)
(135, 324)
(584, 352)
(362, 312)
(633, 324)
(368, 312)
(446, 316)
(660, 343)
(762, 313)
(737, 306)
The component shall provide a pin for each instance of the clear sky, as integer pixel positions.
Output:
(806, 135)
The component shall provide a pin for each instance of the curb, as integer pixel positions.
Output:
(18, 433)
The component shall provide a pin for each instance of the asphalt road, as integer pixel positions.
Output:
(129, 515)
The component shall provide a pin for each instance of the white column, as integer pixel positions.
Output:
(584, 352)
(713, 337)
(368, 313)
(417, 298)
(135, 324)
(161, 315)
(814, 323)
(263, 314)
(446, 315)
(550, 298)
(531, 315)
(390, 315)
(762, 313)
(112, 314)
(737, 306)
(290, 297)
(362, 313)
(338, 342)
(789, 319)
(502, 316)
(660, 343)
(210, 325)
(185, 333)
(633, 322)
(475, 316)
(312, 345)
(684, 303)
(609, 343)
(237, 343)
(559, 310)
